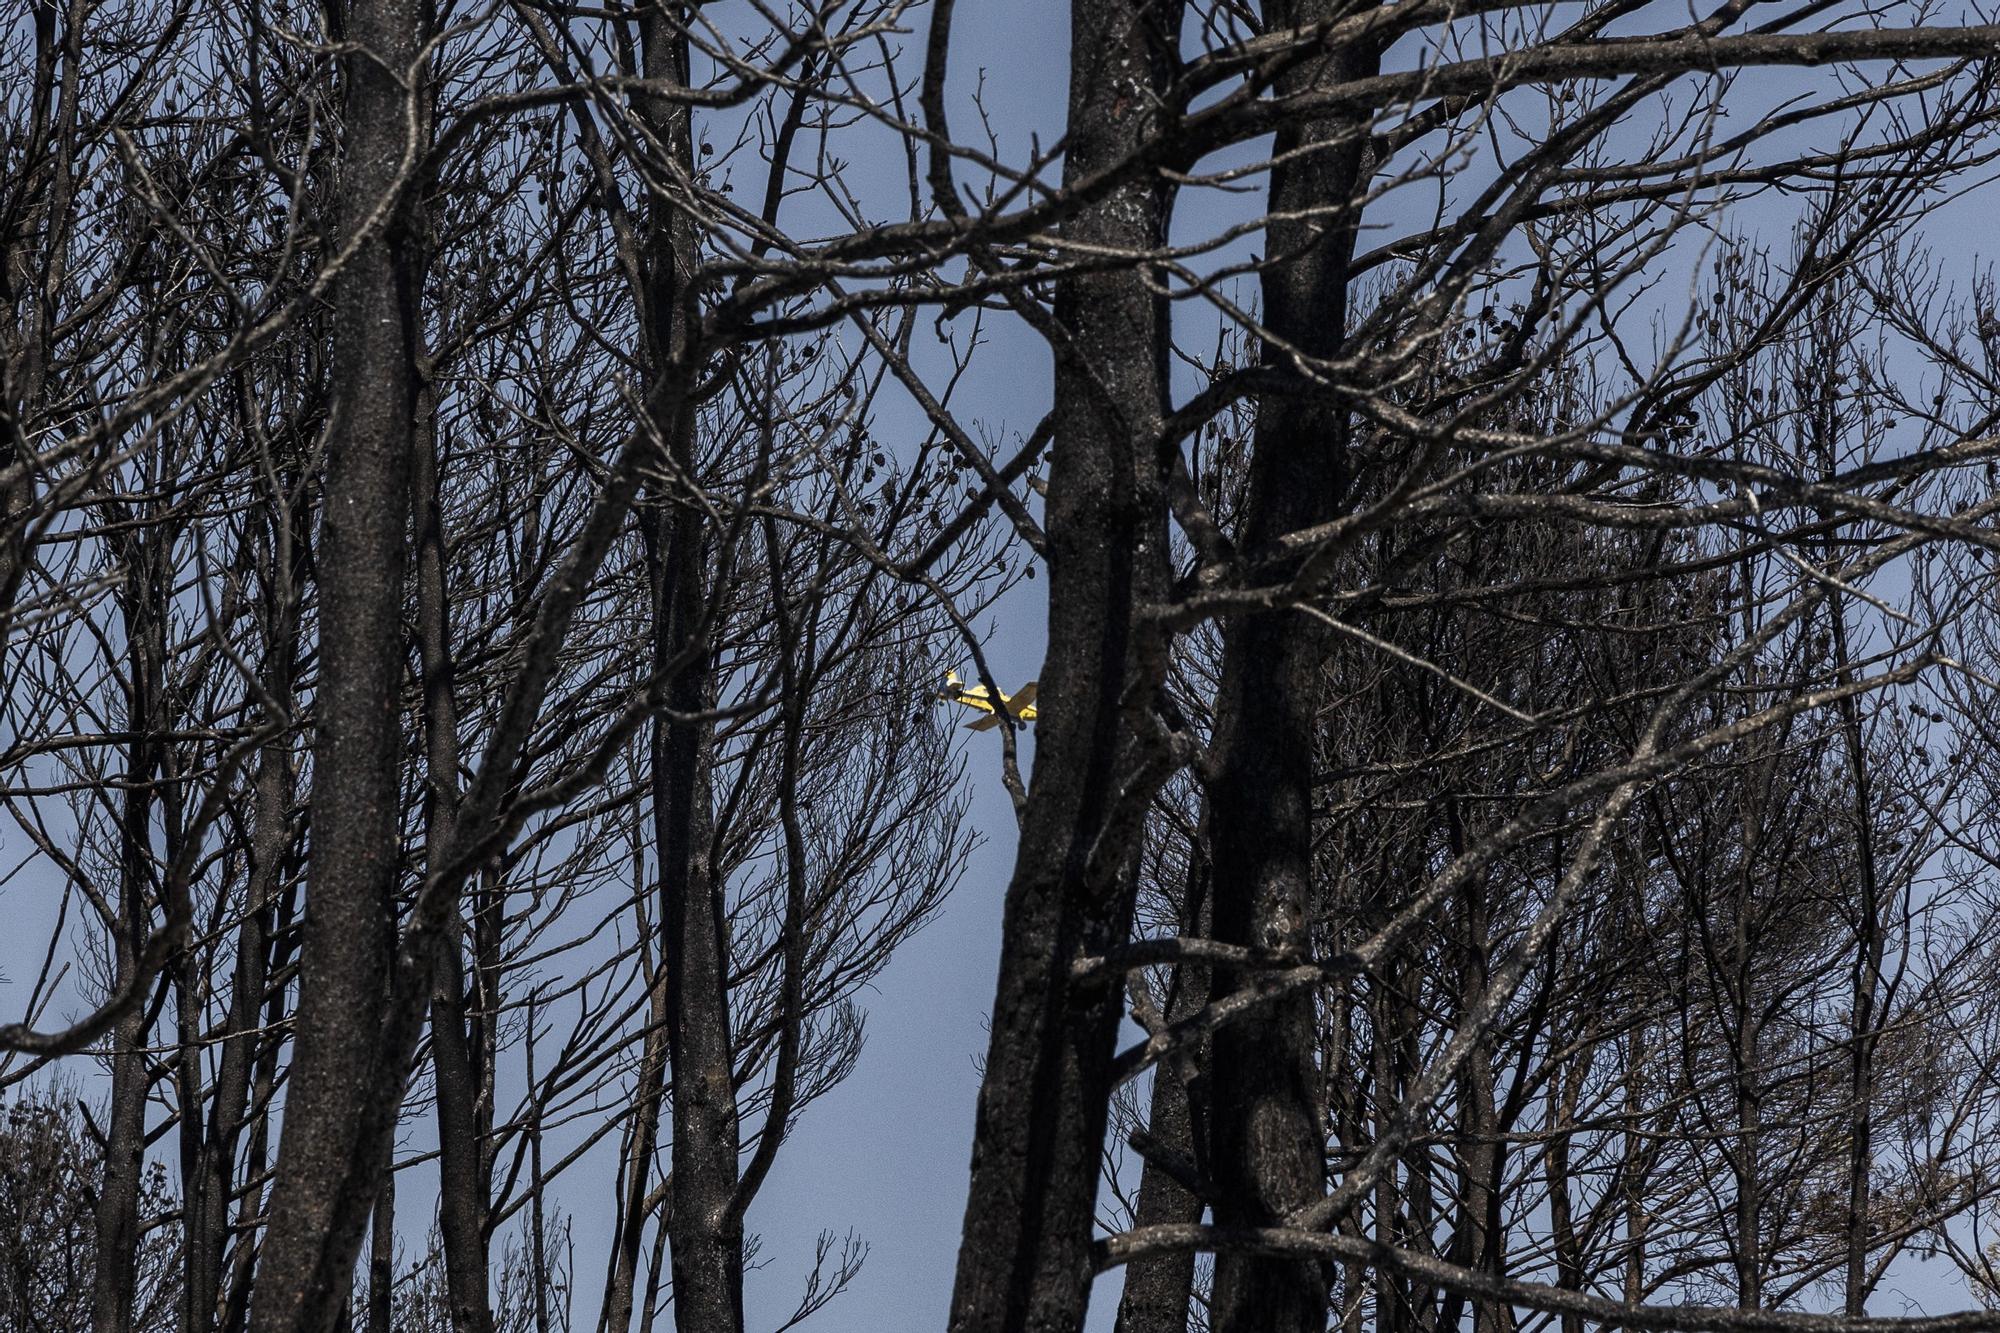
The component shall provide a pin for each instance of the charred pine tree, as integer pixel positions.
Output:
(1268, 1136)
(1159, 1289)
(1025, 1261)
(455, 1058)
(705, 1235)
(281, 571)
(39, 194)
(342, 1102)
(117, 1215)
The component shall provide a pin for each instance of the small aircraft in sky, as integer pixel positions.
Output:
(1020, 705)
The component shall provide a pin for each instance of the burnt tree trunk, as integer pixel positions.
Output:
(345, 1079)
(1269, 1130)
(146, 555)
(35, 265)
(235, 1313)
(705, 1237)
(704, 1232)
(1025, 1261)
(1870, 947)
(284, 571)
(462, 1183)
(637, 1198)
(1159, 1289)
(382, 1250)
(1564, 1088)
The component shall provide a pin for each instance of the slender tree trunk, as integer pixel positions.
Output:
(1392, 1302)
(1746, 1152)
(36, 265)
(382, 1252)
(346, 1081)
(1475, 1233)
(1024, 1262)
(117, 1214)
(208, 1223)
(1564, 1086)
(636, 1197)
(189, 978)
(1418, 1221)
(1632, 1169)
(705, 1234)
(538, 1242)
(1344, 1080)
(257, 1152)
(208, 1230)
(1749, 1200)
(649, 1309)
(1869, 945)
(271, 834)
(197, 1284)
(1159, 1290)
(1270, 1130)
(462, 1184)
(114, 1282)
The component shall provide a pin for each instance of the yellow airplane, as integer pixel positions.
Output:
(1020, 705)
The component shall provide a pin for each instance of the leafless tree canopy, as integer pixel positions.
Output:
(490, 494)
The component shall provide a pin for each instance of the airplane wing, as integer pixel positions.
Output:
(1019, 706)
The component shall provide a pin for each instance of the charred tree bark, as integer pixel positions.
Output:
(1634, 1167)
(1269, 1130)
(235, 1313)
(1347, 1110)
(1477, 1227)
(33, 272)
(1391, 1290)
(1159, 1289)
(704, 1231)
(1564, 1088)
(637, 1200)
(346, 1081)
(1025, 1262)
(538, 1246)
(1745, 1153)
(1870, 946)
(208, 1222)
(114, 1283)
(705, 1236)
(271, 836)
(462, 1182)
(198, 1287)
(382, 1251)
